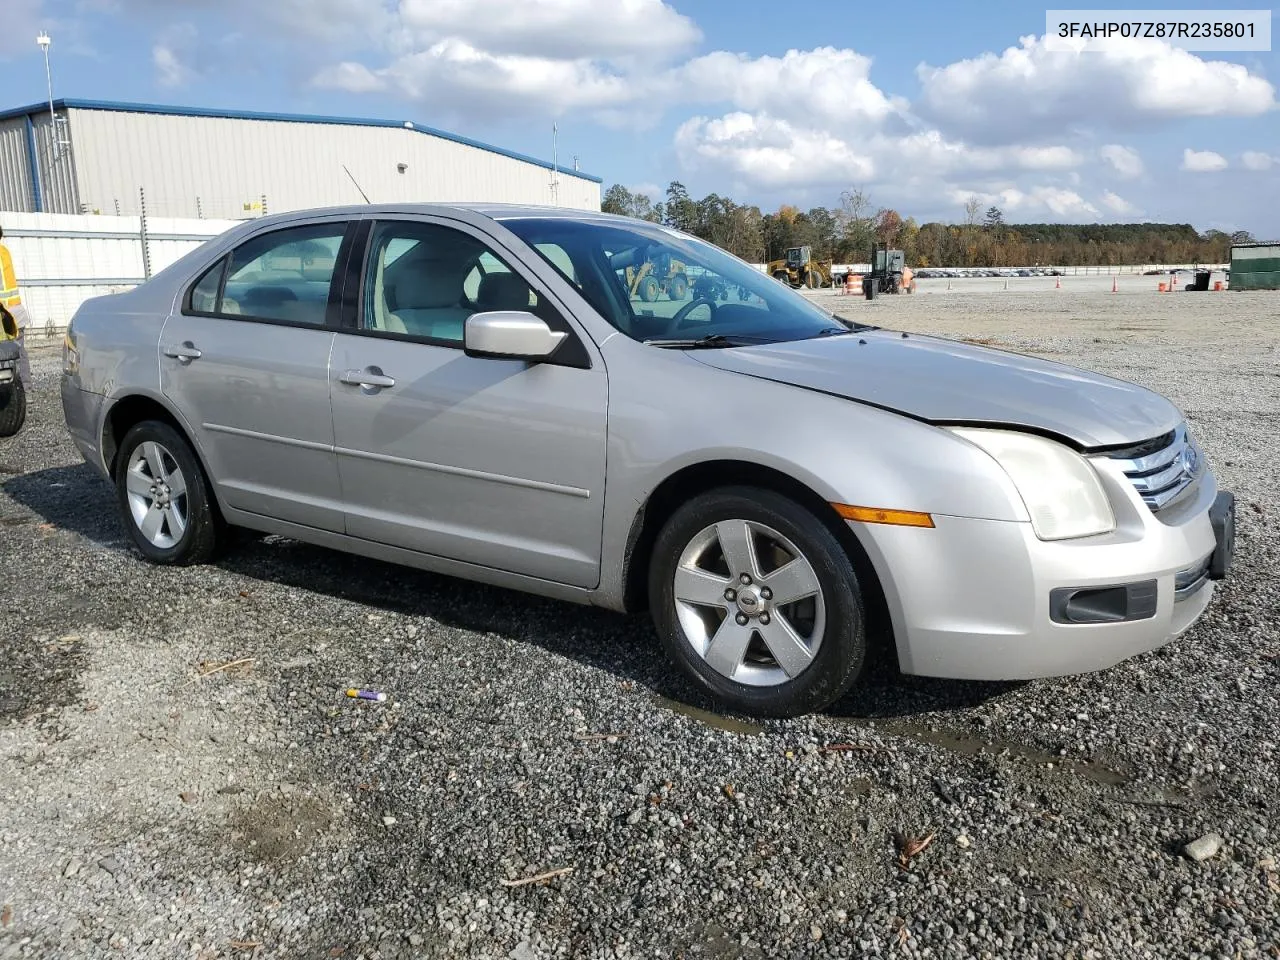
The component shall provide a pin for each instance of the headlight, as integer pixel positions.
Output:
(1062, 491)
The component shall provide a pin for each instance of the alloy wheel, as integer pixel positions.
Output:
(749, 602)
(157, 494)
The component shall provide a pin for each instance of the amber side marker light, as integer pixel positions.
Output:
(901, 518)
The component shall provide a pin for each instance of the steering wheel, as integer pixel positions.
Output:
(677, 321)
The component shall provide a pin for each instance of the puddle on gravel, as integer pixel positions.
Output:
(716, 720)
(972, 746)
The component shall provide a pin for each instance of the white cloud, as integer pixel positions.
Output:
(553, 29)
(769, 152)
(1118, 204)
(1203, 161)
(1027, 204)
(349, 76)
(453, 72)
(1030, 89)
(825, 84)
(1125, 161)
(174, 57)
(1255, 160)
(170, 71)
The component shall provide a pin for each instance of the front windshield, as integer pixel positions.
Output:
(655, 284)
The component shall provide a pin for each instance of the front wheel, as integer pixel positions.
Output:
(13, 408)
(754, 597)
(165, 497)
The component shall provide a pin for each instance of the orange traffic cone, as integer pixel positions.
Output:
(1057, 285)
(1113, 285)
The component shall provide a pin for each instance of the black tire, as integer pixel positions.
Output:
(679, 287)
(842, 653)
(13, 408)
(203, 531)
(649, 289)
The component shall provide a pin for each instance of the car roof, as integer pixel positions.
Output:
(493, 211)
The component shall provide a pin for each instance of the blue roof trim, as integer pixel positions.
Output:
(290, 118)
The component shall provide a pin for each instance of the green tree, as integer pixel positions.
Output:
(618, 199)
(681, 212)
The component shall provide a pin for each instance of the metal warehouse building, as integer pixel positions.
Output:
(96, 157)
(1255, 266)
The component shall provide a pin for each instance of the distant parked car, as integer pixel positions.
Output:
(475, 391)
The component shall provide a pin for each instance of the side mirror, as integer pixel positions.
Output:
(510, 335)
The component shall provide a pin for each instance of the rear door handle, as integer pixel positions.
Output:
(368, 377)
(184, 353)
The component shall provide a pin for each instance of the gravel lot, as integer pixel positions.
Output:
(153, 805)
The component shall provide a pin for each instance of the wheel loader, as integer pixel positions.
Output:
(649, 281)
(799, 269)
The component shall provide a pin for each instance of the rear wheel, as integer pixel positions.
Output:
(165, 496)
(13, 408)
(679, 287)
(755, 599)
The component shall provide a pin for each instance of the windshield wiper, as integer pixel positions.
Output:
(712, 341)
(847, 326)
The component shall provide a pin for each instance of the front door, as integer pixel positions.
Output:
(246, 362)
(492, 462)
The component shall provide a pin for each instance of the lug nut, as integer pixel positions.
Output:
(764, 619)
(742, 619)
(766, 594)
(731, 595)
(745, 578)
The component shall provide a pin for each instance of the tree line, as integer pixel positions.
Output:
(846, 232)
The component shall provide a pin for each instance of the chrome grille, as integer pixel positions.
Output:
(1161, 469)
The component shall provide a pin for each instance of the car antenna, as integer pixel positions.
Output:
(353, 180)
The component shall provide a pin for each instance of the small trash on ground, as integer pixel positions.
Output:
(549, 875)
(210, 667)
(1203, 848)
(356, 694)
(611, 737)
(909, 847)
(851, 748)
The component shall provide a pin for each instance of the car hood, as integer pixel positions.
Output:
(944, 381)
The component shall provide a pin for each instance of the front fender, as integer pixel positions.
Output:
(843, 451)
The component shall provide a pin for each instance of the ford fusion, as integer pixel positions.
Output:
(607, 411)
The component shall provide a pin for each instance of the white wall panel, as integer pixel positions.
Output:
(222, 167)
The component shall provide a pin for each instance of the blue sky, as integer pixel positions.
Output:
(921, 105)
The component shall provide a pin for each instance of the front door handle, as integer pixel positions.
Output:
(184, 353)
(371, 377)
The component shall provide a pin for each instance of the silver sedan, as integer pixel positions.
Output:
(615, 413)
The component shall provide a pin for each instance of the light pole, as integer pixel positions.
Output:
(43, 42)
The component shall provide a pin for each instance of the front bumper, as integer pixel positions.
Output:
(984, 599)
(10, 361)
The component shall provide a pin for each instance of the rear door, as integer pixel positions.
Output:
(246, 361)
(488, 461)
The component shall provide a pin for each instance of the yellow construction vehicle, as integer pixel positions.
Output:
(799, 269)
(649, 281)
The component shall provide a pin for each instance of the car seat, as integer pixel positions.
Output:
(502, 291)
(426, 300)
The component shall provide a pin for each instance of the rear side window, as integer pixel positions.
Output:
(284, 275)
